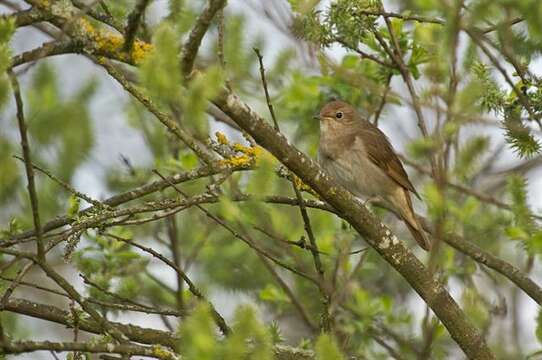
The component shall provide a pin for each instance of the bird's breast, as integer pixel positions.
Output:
(354, 170)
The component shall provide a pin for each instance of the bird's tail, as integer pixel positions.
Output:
(413, 224)
(419, 235)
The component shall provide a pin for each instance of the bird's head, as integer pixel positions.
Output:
(337, 114)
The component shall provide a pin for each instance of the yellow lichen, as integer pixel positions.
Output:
(221, 138)
(87, 27)
(236, 161)
(161, 352)
(253, 151)
(140, 49)
(108, 42)
(248, 155)
(302, 186)
(42, 3)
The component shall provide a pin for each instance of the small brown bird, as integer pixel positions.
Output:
(360, 157)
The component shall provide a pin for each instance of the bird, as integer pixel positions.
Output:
(360, 157)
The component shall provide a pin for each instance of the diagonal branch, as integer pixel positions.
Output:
(239, 236)
(377, 234)
(134, 20)
(163, 117)
(192, 44)
(221, 323)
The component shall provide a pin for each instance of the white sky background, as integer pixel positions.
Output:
(115, 137)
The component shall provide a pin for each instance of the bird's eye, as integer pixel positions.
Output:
(339, 114)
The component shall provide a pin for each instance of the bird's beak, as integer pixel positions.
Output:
(316, 117)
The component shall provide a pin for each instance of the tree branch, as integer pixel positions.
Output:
(18, 347)
(376, 233)
(192, 44)
(54, 314)
(28, 167)
(221, 323)
(134, 20)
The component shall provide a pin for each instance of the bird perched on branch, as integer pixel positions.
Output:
(360, 157)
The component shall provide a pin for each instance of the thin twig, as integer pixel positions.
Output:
(134, 20)
(383, 99)
(192, 44)
(301, 243)
(464, 189)
(507, 23)
(28, 166)
(65, 185)
(133, 307)
(163, 117)
(174, 246)
(264, 83)
(295, 302)
(365, 55)
(521, 96)
(221, 323)
(241, 237)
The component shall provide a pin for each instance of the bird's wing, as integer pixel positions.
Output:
(381, 153)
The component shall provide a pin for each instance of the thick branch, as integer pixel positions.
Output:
(54, 314)
(377, 234)
(514, 274)
(19, 347)
(133, 332)
(27, 17)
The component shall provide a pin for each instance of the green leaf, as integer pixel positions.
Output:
(195, 100)
(517, 188)
(272, 294)
(518, 135)
(7, 29)
(198, 336)
(516, 233)
(250, 339)
(73, 206)
(434, 200)
(422, 147)
(470, 152)
(160, 71)
(539, 326)
(327, 349)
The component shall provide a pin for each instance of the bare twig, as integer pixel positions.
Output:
(28, 167)
(163, 117)
(251, 244)
(65, 185)
(192, 44)
(221, 323)
(365, 55)
(295, 302)
(133, 306)
(134, 20)
(264, 83)
(383, 100)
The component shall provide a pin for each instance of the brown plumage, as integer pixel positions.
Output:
(362, 159)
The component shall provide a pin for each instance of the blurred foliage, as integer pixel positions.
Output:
(371, 309)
